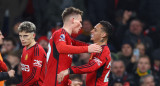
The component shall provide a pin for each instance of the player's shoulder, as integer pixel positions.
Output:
(105, 48)
(59, 31)
(39, 48)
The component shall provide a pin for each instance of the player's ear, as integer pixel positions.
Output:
(34, 35)
(103, 34)
(72, 20)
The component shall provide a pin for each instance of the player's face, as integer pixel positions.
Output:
(77, 20)
(1, 38)
(143, 64)
(26, 38)
(96, 33)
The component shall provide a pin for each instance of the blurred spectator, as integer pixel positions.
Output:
(75, 78)
(118, 82)
(135, 36)
(126, 52)
(121, 25)
(9, 45)
(86, 28)
(156, 65)
(16, 35)
(84, 58)
(13, 58)
(119, 75)
(143, 69)
(142, 49)
(43, 41)
(147, 80)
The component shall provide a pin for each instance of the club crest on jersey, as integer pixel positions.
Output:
(97, 61)
(26, 57)
(62, 37)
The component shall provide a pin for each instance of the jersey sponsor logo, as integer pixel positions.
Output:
(37, 63)
(25, 67)
(26, 57)
(97, 61)
(62, 37)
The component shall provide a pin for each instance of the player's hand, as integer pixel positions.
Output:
(76, 83)
(62, 74)
(94, 48)
(11, 73)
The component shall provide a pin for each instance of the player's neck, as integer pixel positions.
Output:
(31, 44)
(101, 42)
(67, 28)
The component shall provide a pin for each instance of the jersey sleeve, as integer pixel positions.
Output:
(3, 66)
(39, 56)
(97, 61)
(4, 76)
(62, 47)
(78, 43)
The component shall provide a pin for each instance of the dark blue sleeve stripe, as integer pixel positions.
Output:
(31, 76)
(86, 66)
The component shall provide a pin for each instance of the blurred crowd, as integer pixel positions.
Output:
(134, 44)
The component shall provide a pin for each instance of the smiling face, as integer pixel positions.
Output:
(97, 33)
(26, 38)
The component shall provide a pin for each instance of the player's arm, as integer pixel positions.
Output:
(90, 67)
(79, 43)
(3, 66)
(93, 65)
(36, 70)
(62, 47)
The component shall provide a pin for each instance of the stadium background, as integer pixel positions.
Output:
(136, 25)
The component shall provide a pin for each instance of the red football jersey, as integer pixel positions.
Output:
(59, 56)
(97, 69)
(33, 63)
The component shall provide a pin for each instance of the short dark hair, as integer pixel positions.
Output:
(27, 27)
(11, 39)
(71, 10)
(145, 56)
(107, 27)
